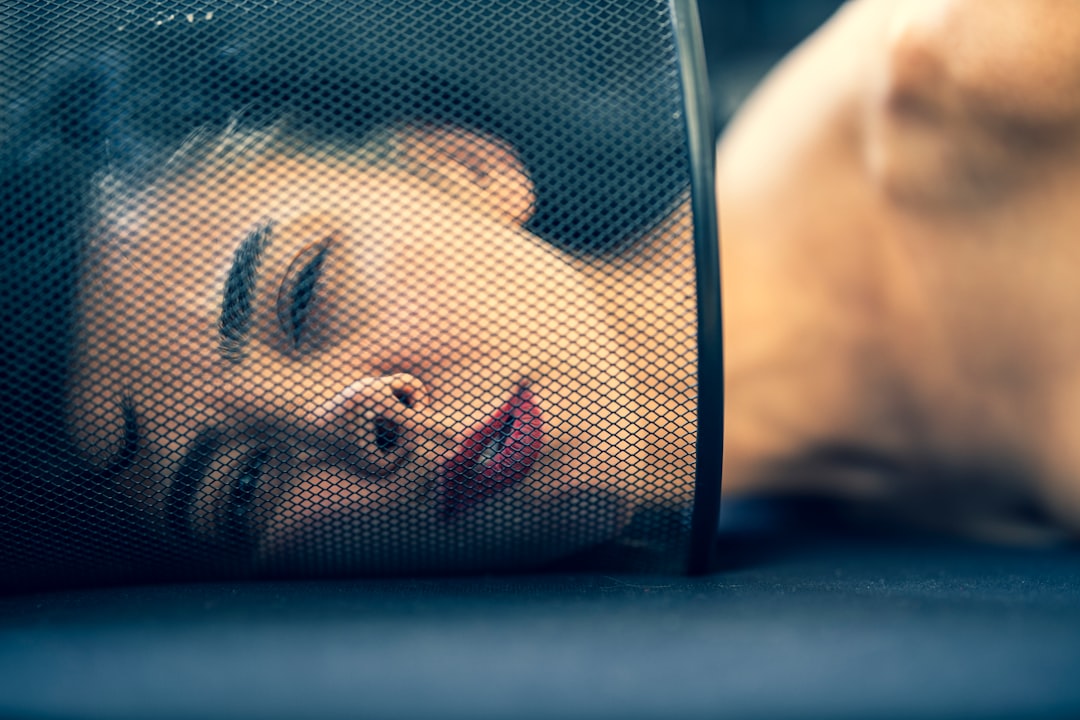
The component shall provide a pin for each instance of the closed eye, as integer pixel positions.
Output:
(245, 486)
(298, 292)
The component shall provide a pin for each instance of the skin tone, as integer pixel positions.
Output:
(900, 266)
(324, 368)
(899, 273)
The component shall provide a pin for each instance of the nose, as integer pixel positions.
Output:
(371, 424)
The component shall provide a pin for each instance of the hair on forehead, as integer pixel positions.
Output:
(234, 149)
(595, 116)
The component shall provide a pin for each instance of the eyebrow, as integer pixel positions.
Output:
(129, 448)
(237, 302)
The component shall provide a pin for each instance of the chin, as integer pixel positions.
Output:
(383, 534)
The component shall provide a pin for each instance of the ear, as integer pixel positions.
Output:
(478, 167)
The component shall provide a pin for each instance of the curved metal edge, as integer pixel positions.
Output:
(701, 149)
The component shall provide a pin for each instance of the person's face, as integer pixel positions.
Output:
(350, 369)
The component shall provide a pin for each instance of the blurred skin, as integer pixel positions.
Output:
(409, 395)
(901, 255)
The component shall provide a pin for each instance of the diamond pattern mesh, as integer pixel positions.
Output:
(322, 288)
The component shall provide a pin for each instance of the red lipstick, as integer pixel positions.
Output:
(495, 455)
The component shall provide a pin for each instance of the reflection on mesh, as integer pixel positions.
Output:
(312, 288)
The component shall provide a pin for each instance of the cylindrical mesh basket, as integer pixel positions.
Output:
(311, 288)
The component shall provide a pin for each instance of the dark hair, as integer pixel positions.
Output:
(599, 130)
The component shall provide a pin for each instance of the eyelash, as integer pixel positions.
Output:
(296, 296)
(237, 527)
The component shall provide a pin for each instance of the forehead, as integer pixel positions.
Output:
(285, 187)
(227, 197)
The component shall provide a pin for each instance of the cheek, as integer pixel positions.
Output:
(366, 525)
(430, 308)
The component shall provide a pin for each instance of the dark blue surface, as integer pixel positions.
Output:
(796, 626)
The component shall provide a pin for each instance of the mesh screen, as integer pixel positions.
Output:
(322, 288)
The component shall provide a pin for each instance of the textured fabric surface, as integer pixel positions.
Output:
(796, 625)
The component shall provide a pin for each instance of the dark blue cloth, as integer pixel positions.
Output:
(800, 624)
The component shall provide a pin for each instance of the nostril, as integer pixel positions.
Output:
(387, 434)
(406, 390)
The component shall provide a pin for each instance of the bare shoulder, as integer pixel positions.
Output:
(947, 101)
(898, 224)
(814, 90)
(1016, 62)
(972, 100)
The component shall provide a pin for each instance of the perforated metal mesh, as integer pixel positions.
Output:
(309, 288)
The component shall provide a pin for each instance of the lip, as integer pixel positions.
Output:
(495, 455)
